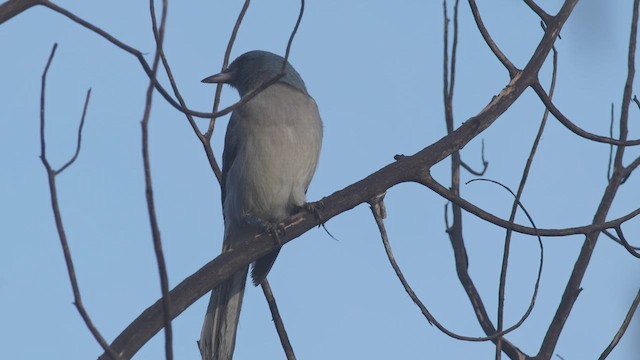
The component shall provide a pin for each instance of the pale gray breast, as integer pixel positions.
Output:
(281, 134)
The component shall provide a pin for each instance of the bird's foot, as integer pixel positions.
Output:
(314, 208)
(276, 230)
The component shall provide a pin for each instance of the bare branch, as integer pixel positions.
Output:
(472, 209)
(625, 243)
(149, 71)
(573, 127)
(538, 10)
(618, 241)
(226, 264)
(572, 288)
(12, 8)
(80, 127)
(623, 328)
(293, 35)
(51, 177)
(410, 168)
(609, 167)
(277, 320)
(155, 229)
(216, 98)
(165, 63)
(130, 50)
(376, 205)
(516, 205)
(485, 164)
(492, 45)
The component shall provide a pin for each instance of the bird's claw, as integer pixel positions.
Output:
(314, 208)
(276, 230)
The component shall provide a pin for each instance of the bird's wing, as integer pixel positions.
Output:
(230, 150)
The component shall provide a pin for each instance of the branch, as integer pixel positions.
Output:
(625, 243)
(538, 10)
(516, 205)
(485, 164)
(51, 177)
(155, 230)
(410, 168)
(492, 45)
(213, 163)
(80, 127)
(377, 209)
(226, 264)
(429, 182)
(455, 230)
(573, 127)
(12, 8)
(277, 320)
(623, 328)
(206, 137)
(148, 71)
(572, 288)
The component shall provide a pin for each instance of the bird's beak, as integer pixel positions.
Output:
(224, 77)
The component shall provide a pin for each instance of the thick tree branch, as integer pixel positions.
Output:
(12, 8)
(411, 168)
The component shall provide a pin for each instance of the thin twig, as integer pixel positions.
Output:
(79, 141)
(618, 241)
(438, 188)
(623, 328)
(216, 98)
(538, 10)
(573, 127)
(277, 319)
(147, 69)
(631, 167)
(51, 177)
(487, 38)
(155, 230)
(213, 163)
(293, 35)
(516, 201)
(485, 164)
(610, 146)
(455, 230)
(625, 243)
(540, 265)
(573, 286)
(145, 66)
(375, 210)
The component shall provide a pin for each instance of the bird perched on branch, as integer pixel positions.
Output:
(270, 154)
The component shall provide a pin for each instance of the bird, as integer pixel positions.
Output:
(271, 151)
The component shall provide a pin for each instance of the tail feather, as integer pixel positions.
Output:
(218, 336)
(262, 266)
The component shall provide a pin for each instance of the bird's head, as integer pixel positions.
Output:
(252, 69)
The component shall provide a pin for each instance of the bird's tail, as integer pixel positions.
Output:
(218, 336)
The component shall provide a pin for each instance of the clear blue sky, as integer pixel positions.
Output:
(375, 69)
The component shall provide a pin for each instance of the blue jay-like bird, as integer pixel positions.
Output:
(271, 151)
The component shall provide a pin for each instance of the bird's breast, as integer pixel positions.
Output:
(279, 138)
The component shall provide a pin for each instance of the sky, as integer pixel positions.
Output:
(375, 70)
